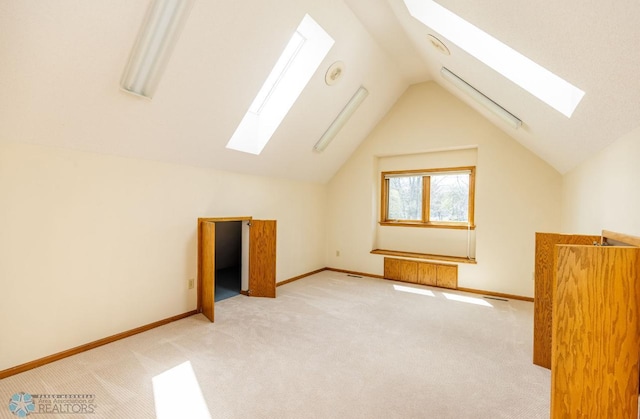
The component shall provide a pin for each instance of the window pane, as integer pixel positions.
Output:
(405, 198)
(449, 198)
(297, 64)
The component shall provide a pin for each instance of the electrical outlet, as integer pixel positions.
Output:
(191, 281)
(337, 253)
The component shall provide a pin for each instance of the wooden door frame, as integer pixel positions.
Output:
(201, 250)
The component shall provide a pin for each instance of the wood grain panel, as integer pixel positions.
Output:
(426, 198)
(414, 255)
(543, 302)
(596, 333)
(262, 258)
(208, 261)
(621, 237)
(384, 197)
(391, 268)
(472, 197)
(409, 271)
(447, 276)
(427, 274)
(401, 270)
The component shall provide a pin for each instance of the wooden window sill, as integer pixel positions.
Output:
(457, 259)
(427, 225)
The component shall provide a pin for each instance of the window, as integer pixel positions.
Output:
(441, 198)
(532, 77)
(300, 59)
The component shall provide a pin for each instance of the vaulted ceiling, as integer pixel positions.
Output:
(61, 63)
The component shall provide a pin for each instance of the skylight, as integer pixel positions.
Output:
(300, 59)
(537, 80)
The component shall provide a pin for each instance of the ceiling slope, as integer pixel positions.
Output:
(62, 62)
(592, 45)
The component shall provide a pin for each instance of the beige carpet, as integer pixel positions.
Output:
(329, 346)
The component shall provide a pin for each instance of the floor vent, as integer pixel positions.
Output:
(354, 276)
(495, 298)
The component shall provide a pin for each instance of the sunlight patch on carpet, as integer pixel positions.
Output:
(464, 299)
(413, 290)
(177, 394)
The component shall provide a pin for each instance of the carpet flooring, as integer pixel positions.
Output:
(329, 346)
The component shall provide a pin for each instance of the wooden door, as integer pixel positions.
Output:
(208, 266)
(262, 258)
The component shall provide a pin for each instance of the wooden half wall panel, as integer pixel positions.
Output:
(447, 276)
(543, 302)
(427, 274)
(596, 333)
(418, 272)
(401, 270)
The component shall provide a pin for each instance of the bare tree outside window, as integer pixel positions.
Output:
(405, 198)
(441, 198)
(449, 198)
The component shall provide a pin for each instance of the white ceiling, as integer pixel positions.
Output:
(61, 62)
(592, 45)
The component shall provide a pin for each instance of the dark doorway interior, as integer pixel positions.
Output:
(228, 259)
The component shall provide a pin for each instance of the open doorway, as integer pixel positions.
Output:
(228, 263)
(258, 259)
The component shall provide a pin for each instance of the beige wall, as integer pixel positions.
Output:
(603, 193)
(92, 245)
(427, 240)
(517, 193)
